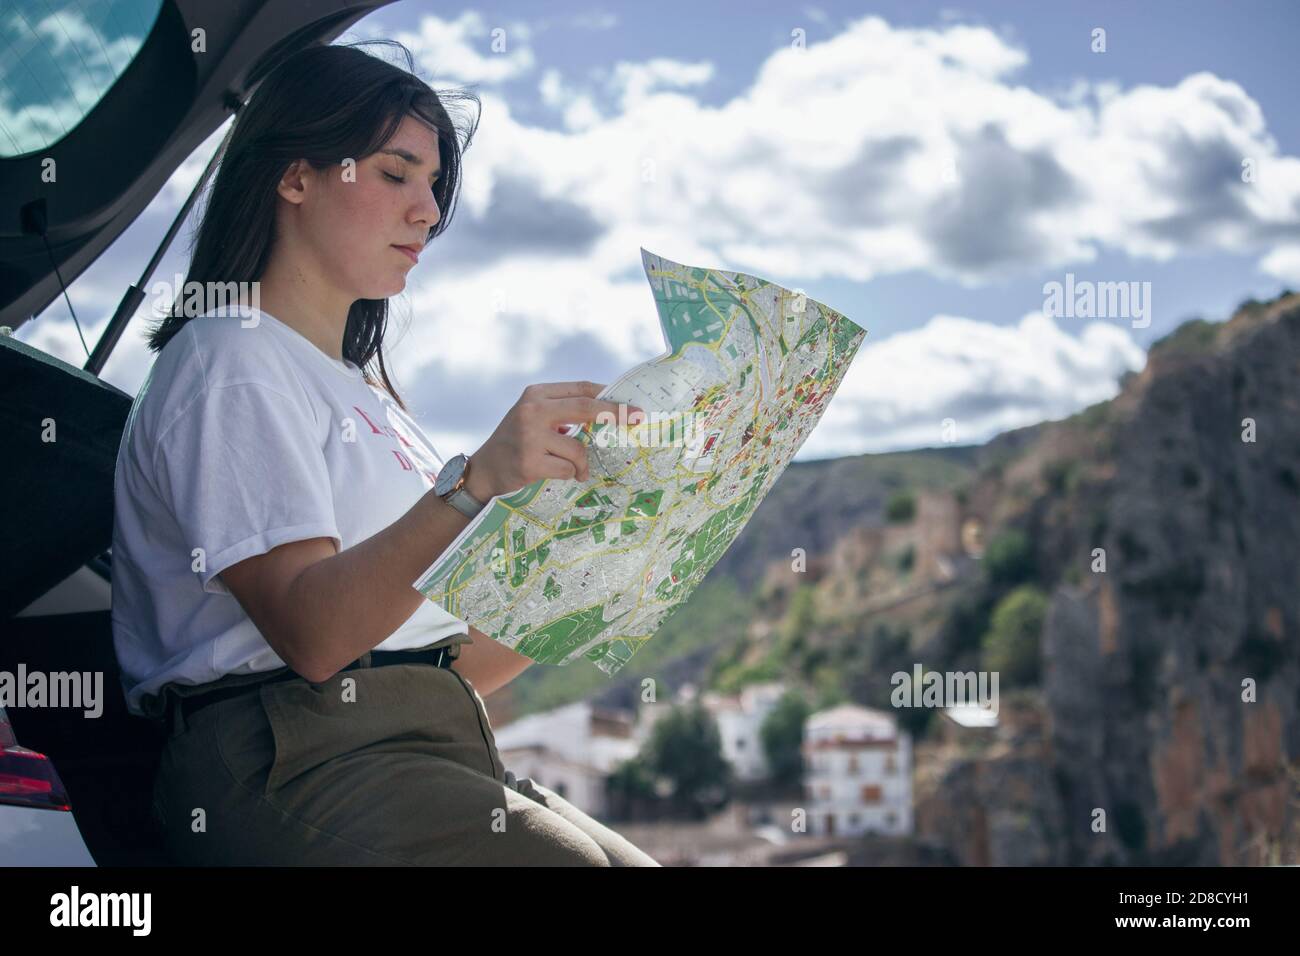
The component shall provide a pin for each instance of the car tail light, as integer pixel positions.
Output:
(27, 779)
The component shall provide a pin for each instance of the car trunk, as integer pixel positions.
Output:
(62, 425)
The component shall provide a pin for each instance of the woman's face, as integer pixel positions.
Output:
(356, 218)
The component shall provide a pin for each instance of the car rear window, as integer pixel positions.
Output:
(57, 60)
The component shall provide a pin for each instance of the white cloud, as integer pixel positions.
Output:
(456, 319)
(636, 81)
(1283, 263)
(469, 49)
(181, 183)
(625, 85)
(578, 109)
(988, 378)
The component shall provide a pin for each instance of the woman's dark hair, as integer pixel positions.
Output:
(323, 104)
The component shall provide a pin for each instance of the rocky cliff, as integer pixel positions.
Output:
(1172, 680)
(1166, 529)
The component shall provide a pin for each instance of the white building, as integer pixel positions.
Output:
(570, 750)
(739, 720)
(857, 772)
(972, 716)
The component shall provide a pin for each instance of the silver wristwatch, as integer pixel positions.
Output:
(450, 487)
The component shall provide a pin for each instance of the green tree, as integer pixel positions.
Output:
(629, 786)
(782, 738)
(632, 778)
(1011, 644)
(685, 748)
(1009, 558)
(901, 507)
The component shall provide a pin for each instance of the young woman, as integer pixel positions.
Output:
(274, 501)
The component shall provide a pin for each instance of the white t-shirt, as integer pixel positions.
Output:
(242, 438)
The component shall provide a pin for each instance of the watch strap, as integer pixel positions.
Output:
(464, 502)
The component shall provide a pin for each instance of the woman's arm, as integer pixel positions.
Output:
(321, 609)
(487, 664)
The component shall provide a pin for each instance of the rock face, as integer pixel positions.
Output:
(994, 802)
(1149, 667)
(1170, 695)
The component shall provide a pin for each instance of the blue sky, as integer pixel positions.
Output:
(923, 167)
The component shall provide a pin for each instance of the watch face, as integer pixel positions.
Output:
(449, 475)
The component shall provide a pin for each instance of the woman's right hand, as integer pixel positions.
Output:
(530, 443)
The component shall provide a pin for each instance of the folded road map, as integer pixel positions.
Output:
(566, 569)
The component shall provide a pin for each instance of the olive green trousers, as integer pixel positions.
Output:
(377, 766)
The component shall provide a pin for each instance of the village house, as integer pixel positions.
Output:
(858, 772)
(571, 750)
